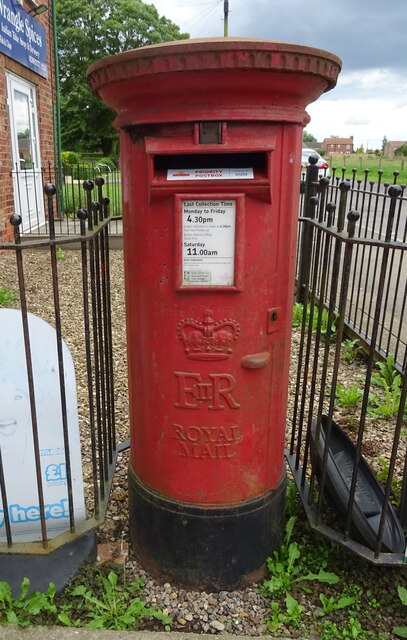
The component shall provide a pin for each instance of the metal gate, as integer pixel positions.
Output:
(347, 444)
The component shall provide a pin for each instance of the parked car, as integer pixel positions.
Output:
(322, 165)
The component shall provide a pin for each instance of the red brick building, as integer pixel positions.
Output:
(338, 145)
(27, 96)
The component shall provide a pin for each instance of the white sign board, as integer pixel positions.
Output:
(208, 242)
(16, 437)
(210, 174)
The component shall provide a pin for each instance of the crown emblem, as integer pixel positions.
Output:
(207, 339)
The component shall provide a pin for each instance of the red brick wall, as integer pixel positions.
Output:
(45, 99)
(337, 147)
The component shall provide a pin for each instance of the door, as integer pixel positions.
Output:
(27, 178)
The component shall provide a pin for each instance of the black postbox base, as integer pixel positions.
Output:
(57, 566)
(212, 549)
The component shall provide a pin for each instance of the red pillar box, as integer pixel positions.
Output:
(211, 135)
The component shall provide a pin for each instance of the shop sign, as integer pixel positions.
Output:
(22, 38)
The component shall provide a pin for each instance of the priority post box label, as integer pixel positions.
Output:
(210, 174)
(208, 242)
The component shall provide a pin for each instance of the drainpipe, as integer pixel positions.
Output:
(56, 114)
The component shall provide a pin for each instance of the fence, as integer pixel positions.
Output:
(372, 200)
(351, 276)
(70, 195)
(80, 312)
(348, 414)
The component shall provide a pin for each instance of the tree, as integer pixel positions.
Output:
(308, 137)
(401, 151)
(88, 31)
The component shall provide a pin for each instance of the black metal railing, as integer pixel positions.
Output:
(347, 420)
(351, 280)
(89, 318)
(373, 200)
(69, 196)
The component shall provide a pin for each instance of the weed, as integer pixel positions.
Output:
(315, 553)
(21, 610)
(390, 381)
(353, 630)
(300, 558)
(389, 405)
(7, 297)
(396, 484)
(59, 254)
(388, 372)
(350, 598)
(285, 570)
(315, 550)
(354, 591)
(351, 350)
(332, 604)
(292, 614)
(325, 325)
(348, 396)
(292, 506)
(401, 631)
(116, 608)
(298, 313)
(374, 604)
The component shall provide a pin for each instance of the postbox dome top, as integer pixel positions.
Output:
(208, 73)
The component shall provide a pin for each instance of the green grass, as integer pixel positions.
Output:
(74, 196)
(7, 297)
(362, 161)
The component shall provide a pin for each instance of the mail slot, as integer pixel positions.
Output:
(211, 136)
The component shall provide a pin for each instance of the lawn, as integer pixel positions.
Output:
(362, 161)
(74, 196)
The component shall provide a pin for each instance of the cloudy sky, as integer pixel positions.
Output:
(370, 36)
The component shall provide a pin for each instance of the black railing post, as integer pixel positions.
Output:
(16, 221)
(302, 369)
(99, 182)
(88, 187)
(307, 231)
(50, 191)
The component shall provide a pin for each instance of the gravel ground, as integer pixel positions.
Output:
(241, 612)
